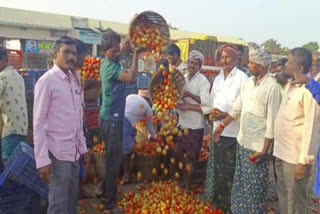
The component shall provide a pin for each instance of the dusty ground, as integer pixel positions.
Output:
(90, 205)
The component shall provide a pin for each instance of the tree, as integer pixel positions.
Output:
(274, 47)
(312, 46)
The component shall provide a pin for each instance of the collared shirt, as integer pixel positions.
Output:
(200, 86)
(297, 126)
(13, 103)
(113, 91)
(257, 106)
(137, 109)
(224, 93)
(58, 117)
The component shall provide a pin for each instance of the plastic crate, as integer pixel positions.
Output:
(21, 168)
(40, 73)
(92, 119)
(15, 199)
(129, 86)
(89, 106)
(30, 79)
(143, 80)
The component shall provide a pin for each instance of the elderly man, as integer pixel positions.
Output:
(222, 159)
(296, 136)
(195, 104)
(257, 107)
(138, 108)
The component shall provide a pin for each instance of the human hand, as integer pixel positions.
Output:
(139, 50)
(186, 94)
(183, 107)
(300, 171)
(218, 115)
(45, 173)
(126, 46)
(217, 134)
(256, 157)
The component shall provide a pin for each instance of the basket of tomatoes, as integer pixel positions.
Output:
(90, 78)
(150, 31)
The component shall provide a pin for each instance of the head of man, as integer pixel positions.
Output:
(195, 62)
(31, 46)
(164, 62)
(3, 58)
(112, 49)
(146, 95)
(65, 53)
(316, 67)
(280, 70)
(280, 65)
(259, 61)
(174, 54)
(81, 52)
(299, 61)
(229, 58)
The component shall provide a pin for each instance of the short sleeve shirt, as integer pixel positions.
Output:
(113, 91)
(13, 103)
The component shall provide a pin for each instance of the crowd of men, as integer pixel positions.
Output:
(274, 113)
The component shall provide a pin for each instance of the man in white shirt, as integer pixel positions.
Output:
(138, 108)
(221, 164)
(195, 104)
(257, 107)
(296, 137)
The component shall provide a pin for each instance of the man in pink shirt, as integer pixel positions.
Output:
(58, 128)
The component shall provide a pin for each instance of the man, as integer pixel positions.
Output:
(221, 163)
(280, 73)
(314, 87)
(138, 108)
(316, 70)
(13, 106)
(58, 128)
(112, 111)
(82, 52)
(296, 137)
(174, 58)
(256, 107)
(195, 104)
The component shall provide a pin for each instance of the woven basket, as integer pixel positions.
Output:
(158, 79)
(155, 19)
(142, 133)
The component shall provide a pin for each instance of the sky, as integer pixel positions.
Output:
(291, 22)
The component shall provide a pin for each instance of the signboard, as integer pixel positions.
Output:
(90, 37)
(33, 46)
(45, 46)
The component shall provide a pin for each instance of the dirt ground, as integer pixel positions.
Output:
(90, 206)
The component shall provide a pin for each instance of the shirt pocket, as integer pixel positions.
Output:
(255, 126)
(259, 107)
(291, 108)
